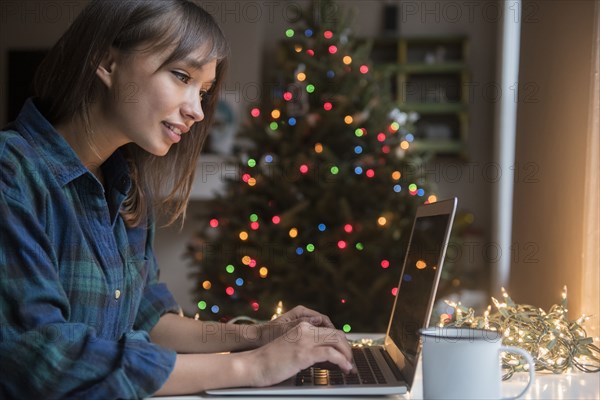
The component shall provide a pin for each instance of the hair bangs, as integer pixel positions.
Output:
(176, 26)
(188, 30)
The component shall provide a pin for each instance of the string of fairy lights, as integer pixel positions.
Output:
(276, 119)
(555, 343)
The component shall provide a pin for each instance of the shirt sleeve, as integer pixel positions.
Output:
(157, 299)
(43, 354)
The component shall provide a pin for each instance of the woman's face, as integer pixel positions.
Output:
(155, 106)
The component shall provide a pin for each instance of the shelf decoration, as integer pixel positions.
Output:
(556, 344)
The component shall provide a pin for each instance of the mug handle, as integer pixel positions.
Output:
(527, 356)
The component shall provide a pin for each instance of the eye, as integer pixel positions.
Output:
(182, 77)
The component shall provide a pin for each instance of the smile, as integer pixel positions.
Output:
(173, 129)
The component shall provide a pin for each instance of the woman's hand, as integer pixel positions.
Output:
(271, 330)
(299, 347)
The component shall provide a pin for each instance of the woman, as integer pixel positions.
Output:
(123, 103)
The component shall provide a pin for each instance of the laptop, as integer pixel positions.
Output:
(390, 368)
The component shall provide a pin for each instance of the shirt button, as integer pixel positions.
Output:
(117, 294)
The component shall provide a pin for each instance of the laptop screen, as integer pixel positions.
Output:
(417, 287)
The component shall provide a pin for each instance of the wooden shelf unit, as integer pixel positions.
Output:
(429, 75)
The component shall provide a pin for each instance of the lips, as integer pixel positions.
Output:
(173, 128)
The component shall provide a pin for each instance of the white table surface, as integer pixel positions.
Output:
(568, 386)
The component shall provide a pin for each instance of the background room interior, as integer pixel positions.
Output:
(552, 217)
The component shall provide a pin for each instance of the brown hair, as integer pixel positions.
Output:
(66, 85)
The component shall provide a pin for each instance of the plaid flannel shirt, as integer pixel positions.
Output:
(79, 290)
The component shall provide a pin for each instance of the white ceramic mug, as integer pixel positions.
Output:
(464, 363)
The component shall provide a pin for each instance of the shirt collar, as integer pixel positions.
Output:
(60, 156)
(56, 152)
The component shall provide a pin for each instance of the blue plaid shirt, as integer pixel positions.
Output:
(79, 290)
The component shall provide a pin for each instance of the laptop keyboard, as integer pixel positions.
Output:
(368, 372)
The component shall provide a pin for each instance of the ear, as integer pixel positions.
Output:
(106, 69)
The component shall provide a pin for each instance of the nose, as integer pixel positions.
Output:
(192, 109)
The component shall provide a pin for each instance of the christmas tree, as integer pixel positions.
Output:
(322, 207)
